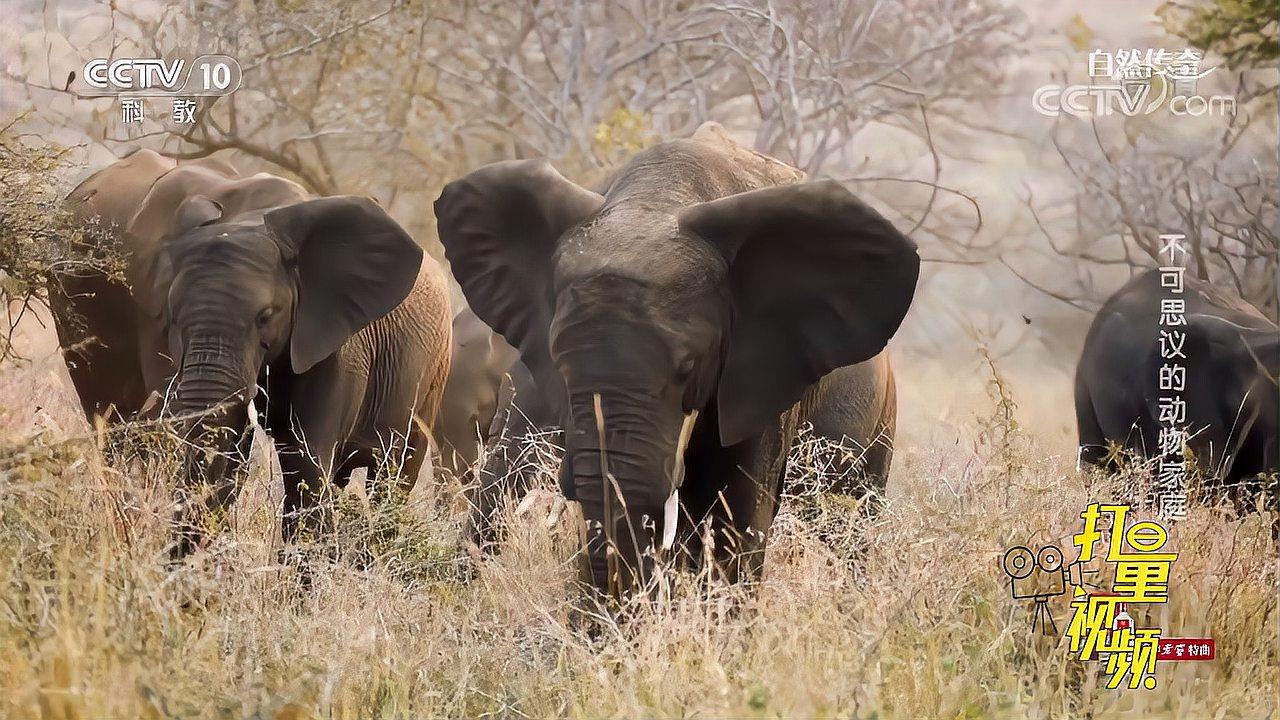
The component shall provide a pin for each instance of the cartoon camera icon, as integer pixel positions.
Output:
(1040, 576)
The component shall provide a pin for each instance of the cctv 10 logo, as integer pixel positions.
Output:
(207, 75)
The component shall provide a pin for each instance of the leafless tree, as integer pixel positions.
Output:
(394, 98)
(1135, 182)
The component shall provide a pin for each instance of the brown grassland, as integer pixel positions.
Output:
(905, 616)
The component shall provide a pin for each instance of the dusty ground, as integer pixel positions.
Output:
(93, 624)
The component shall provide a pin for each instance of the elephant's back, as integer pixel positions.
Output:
(1116, 374)
(709, 165)
(1138, 303)
(113, 194)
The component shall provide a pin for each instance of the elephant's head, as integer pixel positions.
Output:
(731, 307)
(232, 289)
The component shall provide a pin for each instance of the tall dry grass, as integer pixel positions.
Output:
(93, 622)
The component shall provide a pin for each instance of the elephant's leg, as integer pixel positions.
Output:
(310, 416)
(225, 490)
(350, 460)
(861, 472)
(1093, 445)
(393, 468)
(875, 469)
(395, 464)
(306, 522)
(751, 502)
(416, 456)
(307, 514)
(505, 477)
(879, 456)
(855, 415)
(732, 504)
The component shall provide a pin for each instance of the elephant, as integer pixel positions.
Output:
(1231, 359)
(480, 360)
(479, 409)
(858, 409)
(93, 311)
(239, 284)
(523, 411)
(682, 325)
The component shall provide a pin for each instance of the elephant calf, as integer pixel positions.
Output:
(490, 402)
(1231, 358)
(237, 284)
(680, 325)
(481, 358)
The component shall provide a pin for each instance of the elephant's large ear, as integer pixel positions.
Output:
(354, 265)
(195, 211)
(819, 281)
(499, 226)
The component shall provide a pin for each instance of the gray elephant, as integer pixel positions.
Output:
(239, 283)
(682, 325)
(491, 402)
(500, 411)
(93, 311)
(1231, 355)
(480, 360)
(858, 409)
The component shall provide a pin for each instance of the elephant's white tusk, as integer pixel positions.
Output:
(670, 516)
(558, 505)
(253, 410)
(153, 400)
(525, 504)
(671, 510)
(552, 501)
(686, 431)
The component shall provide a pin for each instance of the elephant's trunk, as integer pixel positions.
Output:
(622, 474)
(209, 378)
(210, 410)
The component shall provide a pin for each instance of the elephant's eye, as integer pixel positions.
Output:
(685, 368)
(265, 316)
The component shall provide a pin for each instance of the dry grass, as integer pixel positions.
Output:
(93, 623)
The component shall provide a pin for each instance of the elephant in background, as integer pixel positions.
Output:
(480, 360)
(680, 326)
(246, 283)
(858, 409)
(1232, 358)
(94, 314)
(490, 401)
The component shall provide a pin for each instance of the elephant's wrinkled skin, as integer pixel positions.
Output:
(240, 283)
(678, 324)
(1231, 360)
